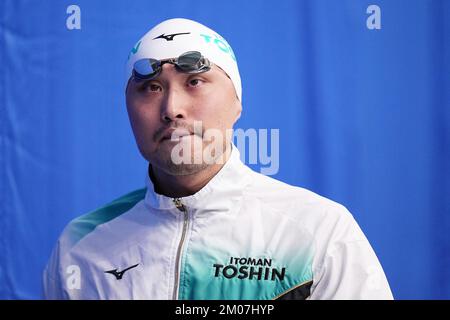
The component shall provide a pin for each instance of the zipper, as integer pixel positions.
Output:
(180, 206)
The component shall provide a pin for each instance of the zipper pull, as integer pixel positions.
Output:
(180, 206)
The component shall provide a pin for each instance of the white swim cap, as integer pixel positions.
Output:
(172, 37)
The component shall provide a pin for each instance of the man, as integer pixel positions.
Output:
(206, 226)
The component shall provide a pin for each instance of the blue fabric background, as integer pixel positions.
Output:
(364, 118)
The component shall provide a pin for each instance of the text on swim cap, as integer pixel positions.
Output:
(220, 43)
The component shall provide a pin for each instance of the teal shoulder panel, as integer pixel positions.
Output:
(82, 226)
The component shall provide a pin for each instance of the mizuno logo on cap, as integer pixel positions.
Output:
(169, 37)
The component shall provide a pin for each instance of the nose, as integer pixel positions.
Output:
(173, 107)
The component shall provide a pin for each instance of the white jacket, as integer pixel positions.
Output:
(243, 236)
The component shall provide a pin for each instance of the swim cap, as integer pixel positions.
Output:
(172, 37)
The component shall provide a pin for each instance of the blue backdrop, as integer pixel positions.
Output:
(363, 114)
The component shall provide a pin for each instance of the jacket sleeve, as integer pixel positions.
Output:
(52, 288)
(348, 267)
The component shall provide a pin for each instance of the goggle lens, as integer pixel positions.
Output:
(188, 62)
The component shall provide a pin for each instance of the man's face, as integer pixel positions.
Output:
(170, 105)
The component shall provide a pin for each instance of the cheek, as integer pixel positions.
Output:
(220, 116)
(140, 117)
(216, 111)
(143, 121)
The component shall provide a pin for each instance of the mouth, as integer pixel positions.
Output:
(175, 134)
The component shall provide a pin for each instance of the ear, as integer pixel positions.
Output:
(238, 110)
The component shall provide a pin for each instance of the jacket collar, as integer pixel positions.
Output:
(219, 193)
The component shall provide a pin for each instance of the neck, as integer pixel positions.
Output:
(182, 186)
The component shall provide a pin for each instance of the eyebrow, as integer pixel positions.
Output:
(179, 74)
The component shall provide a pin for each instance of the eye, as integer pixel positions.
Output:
(151, 87)
(195, 82)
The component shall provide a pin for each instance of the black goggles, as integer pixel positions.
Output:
(191, 62)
